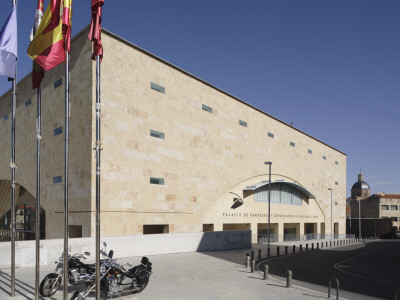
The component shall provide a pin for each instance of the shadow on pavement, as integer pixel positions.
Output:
(370, 270)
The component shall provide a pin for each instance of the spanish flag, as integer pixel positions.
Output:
(48, 45)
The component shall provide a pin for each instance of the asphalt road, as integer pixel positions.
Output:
(365, 271)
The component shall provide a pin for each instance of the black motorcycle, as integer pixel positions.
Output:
(115, 280)
(78, 272)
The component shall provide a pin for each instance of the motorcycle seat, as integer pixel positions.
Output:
(131, 273)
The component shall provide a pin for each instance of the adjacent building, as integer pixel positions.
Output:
(368, 208)
(177, 153)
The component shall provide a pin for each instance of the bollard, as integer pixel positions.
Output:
(294, 248)
(312, 246)
(306, 247)
(317, 246)
(396, 292)
(286, 249)
(251, 255)
(337, 287)
(247, 260)
(266, 267)
(253, 265)
(289, 279)
(301, 247)
(277, 251)
(259, 253)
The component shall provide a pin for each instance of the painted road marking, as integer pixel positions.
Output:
(337, 266)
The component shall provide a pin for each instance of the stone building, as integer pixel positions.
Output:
(177, 151)
(378, 206)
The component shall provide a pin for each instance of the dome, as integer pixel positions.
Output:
(360, 189)
(360, 185)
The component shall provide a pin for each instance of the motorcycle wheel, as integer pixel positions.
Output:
(49, 285)
(142, 281)
(78, 295)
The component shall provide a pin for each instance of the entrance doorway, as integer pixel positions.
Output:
(336, 230)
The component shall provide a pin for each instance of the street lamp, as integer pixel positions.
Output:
(269, 206)
(331, 215)
(359, 220)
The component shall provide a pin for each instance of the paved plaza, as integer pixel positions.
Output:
(193, 275)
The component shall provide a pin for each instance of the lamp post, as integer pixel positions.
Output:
(359, 220)
(330, 189)
(269, 207)
(350, 214)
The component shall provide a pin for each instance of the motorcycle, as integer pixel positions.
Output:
(78, 272)
(115, 280)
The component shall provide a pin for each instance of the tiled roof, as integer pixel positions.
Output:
(387, 196)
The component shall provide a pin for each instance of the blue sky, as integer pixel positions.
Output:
(330, 67)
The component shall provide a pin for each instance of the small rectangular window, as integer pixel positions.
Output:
(208, 227)
(271, 135)
(393, 207)
(154, 180)
(385, 207)
(292, 144)
(206, 108)
(324, 157)
(157, 88)
(28, 102)
(336, 203)
(337, 183)
(57, 131)
(336, 162)
(157, 134)
(57, 83)
(155, 229)
(6, 117)
(310, 151)
(57, 179)
(243, 123)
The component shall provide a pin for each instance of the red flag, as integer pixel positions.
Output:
(37, 75)
(95, 29)
(66, 23)
(37, 71)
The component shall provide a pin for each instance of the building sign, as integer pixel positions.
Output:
(258, 215)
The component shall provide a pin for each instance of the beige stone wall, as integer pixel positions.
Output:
(202, 158)
(52, 147)
(204, 155)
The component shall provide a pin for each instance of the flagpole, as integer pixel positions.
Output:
(66, 175)
(37, 220)
(98, 149)
(13, 167)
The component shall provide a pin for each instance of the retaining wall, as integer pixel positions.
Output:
(126, 246)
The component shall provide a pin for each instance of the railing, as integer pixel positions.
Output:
(263, 238)
(5, 235)
(291, 237)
